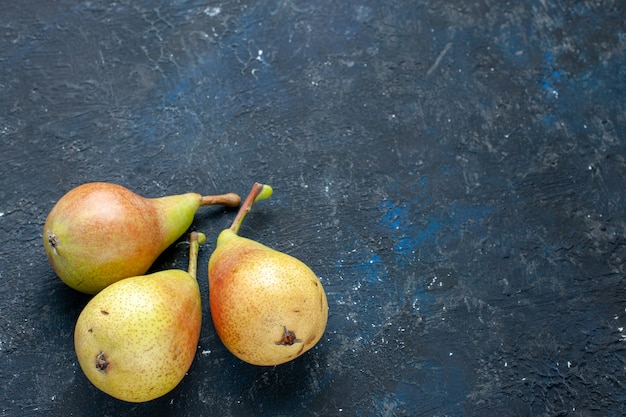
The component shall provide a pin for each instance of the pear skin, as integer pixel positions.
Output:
(99, 233)
(136, 339)
(267, 307)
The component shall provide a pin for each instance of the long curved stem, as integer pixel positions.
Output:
(257, 193)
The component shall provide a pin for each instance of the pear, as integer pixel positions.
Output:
(99, 233)
(136, 339)
(267, 307)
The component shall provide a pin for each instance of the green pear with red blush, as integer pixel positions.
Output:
(99, 233)
(137, 338)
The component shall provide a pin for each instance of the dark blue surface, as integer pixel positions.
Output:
(453, 171)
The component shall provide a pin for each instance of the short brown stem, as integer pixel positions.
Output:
(194, 246)
(230, 200)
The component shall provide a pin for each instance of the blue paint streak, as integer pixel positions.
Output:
(548, 120)
(424, 301)
(415, 230)
(366, 265)
(554, 78)
(371, 270)
(177, 94)
(398, 221)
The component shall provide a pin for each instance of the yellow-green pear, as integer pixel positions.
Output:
(267, 307)
(136, 339)
(99, 233)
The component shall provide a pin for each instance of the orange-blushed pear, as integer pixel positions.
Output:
(267, 307)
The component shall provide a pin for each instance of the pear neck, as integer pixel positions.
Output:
(176, 214)
(225, 236)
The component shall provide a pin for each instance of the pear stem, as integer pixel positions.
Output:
(195, 239)
(257, 193)
(229, 200)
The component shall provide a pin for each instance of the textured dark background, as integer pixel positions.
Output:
(452, 170)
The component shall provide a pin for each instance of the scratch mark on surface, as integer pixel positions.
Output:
(435, 64)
